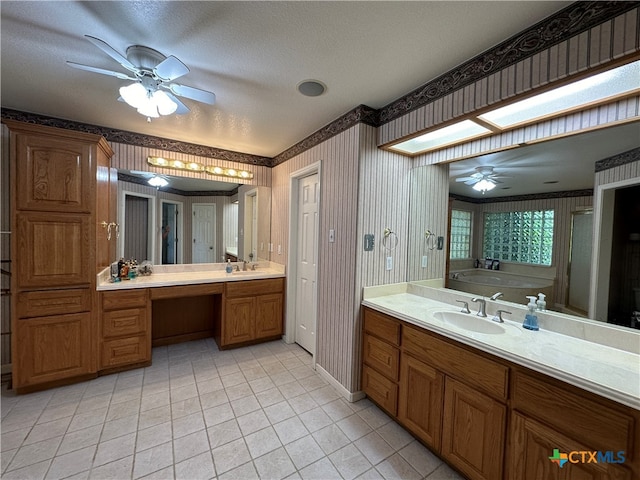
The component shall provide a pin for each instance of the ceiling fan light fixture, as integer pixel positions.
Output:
(483, 186)
(158, 182)
(148, 103)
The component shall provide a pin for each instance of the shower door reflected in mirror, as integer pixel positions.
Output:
(579, 271)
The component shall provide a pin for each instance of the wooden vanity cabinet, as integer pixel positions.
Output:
(488, 417)
(548, 414)
(252, 311)
(455, 401)
(54, 202)
(125, 338)
(381, 359)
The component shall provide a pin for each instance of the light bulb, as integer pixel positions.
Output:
(483, 185)
(165, 105)
(134, 94)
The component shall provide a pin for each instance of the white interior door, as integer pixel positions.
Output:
(203, 228)
(307, 262)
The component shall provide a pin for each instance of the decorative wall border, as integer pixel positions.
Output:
(138, 139)
(623, 158)
(572, 20)
(521, 198)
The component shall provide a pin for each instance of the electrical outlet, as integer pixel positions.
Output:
(279, 249)
(389, 263)
(424, 261)
(332, 235)
(368, 242)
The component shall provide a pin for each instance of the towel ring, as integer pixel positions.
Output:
(389, 239)
(429, 235)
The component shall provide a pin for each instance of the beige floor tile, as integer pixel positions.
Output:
(231, 455)
(223, 433)
(349, 461)
(262, 441)
(80, 439)
(304, 451)
(115, 449)
(190, 445)
(199, 467)
(152, 460)
(323, 469)
(156, 435)
(274, 465)
(120, 469)
(71, 463)
(397, 468)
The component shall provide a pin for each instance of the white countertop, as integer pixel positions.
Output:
(193, 274)
(610, 372)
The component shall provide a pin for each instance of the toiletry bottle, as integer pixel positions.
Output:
(542, 305)
(530, 319)
(228, 268)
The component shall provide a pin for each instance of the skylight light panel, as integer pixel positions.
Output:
(618, 81)
(464, 130)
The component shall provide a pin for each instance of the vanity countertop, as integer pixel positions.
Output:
(172, 275)
(609, 372)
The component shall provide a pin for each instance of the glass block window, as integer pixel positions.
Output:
(460, 241)
(525, 237)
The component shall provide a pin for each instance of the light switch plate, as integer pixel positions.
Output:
(424, 261)
(332, 235)
(369, 241)
(389, 263)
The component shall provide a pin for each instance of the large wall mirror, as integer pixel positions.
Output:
(191, 220)
(533, 232)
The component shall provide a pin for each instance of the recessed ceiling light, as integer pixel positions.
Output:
(311, 88)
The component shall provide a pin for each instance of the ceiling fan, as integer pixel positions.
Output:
(153, 92)
(483, 180)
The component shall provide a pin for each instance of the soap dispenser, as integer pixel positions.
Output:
(530, 319)
(542, 304)
(228, 268)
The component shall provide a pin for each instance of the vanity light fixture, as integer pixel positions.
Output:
(199, 167)
(598, 89)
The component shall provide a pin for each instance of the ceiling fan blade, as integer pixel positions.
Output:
(109, 50)
(170, 68)
(464, 179)
(182, 108)
(193, 93)
(122, 76)
(472, 181)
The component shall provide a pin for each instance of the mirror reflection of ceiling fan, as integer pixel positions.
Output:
(483, 180)
(153, 92)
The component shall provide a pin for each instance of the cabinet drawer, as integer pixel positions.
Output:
(381, 390)
(250, 288)
(181, 291)
(136, 297)
(131, 321)
(572, 412)
(125, 351)
(458, 362)
(53, 302)
(382, 326)
(381, 356)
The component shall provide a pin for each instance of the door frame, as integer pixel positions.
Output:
(151, 222)
(579, 211)
(179, 231)
(294, 182)
(215, 229)
(603, 208)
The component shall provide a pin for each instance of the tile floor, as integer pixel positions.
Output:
(199, 413)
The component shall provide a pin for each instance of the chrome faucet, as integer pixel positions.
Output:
(465, 309)
(482, 312)
(498, 316)
(496, 296)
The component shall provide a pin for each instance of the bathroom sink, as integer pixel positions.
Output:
(468, 321)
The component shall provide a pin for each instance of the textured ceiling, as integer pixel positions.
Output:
(250, 54)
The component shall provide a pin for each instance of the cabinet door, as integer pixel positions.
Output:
(532, 445)
(52, 250)
(420, 400)
(53, 174)
(52, 348)
(269, 315)
(106, 211)
(239, 322)
(473, 431)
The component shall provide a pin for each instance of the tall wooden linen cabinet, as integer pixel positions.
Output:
(63, 199)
